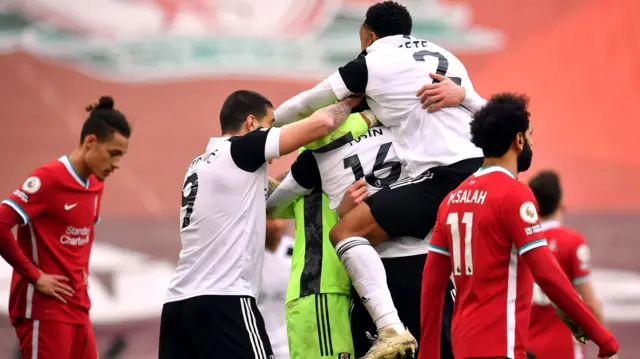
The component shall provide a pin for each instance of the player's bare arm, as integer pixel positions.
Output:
(587, 293)
(319, 124)
(273, 184)
(282, 176)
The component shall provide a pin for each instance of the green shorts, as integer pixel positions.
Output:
(318, 327)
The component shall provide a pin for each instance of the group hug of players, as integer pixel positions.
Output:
(390, 170)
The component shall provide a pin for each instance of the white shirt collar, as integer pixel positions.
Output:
(72, 171)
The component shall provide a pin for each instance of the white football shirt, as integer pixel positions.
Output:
(390, 72)
(338, 165)
(273, 295)
(223, 218)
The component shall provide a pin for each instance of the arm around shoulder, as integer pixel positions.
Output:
(319, 124)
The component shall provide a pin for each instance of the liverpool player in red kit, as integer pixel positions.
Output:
(488, 234)
(56, 209)
(549, 337)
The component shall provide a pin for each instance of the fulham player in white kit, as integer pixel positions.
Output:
(435, 148)
(210, 309)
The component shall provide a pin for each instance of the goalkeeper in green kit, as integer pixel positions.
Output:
(319, 292)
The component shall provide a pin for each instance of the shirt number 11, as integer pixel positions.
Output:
(454, 222)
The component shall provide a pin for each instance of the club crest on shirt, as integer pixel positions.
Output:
(31, 185)
(528, 212)
(344, 356)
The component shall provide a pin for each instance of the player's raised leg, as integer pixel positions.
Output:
(353, 238)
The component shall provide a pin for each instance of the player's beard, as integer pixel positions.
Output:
(525, 157)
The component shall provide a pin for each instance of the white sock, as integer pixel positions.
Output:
(369, 278)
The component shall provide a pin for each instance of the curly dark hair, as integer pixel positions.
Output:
(546, 188)
(496, 125)
(388, 18)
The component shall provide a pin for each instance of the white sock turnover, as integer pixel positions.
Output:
(369, 278)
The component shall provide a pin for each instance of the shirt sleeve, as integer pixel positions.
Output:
(439, 243)
(251, 151)
(520, 216)
(305, 171)
(580, 262)
(305, 104)
(9, 248)
(279, 203)
(472, 101)
(33, 197)
(351, 78)
(353, 127)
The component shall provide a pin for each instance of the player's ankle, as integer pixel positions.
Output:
(396, 327)
(390, 321)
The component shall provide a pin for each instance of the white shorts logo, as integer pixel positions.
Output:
(528, 212)
(31, 185)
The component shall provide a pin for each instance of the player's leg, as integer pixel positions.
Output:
(369, 224)
(45, 339)
(227, 327)
(361, 325)
(84, 343)
(318, 327)
(404, 209)
(404, 278)
(174, 341)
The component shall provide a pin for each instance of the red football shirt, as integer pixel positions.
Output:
(59, 210)
(484, 226)
(549, 337)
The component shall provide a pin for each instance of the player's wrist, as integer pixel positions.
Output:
(34, 275)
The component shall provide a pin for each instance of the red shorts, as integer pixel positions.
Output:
(56, 340)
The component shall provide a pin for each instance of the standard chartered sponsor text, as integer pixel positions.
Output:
(75, 236)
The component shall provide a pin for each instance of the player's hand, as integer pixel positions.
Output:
(54, 286)
(353, 197)
(442, 94)
(354, 100)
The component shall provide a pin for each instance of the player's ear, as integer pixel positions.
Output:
(89, 141)
(251, 122)
(372, 37)
(519, 141)
(561, 206)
